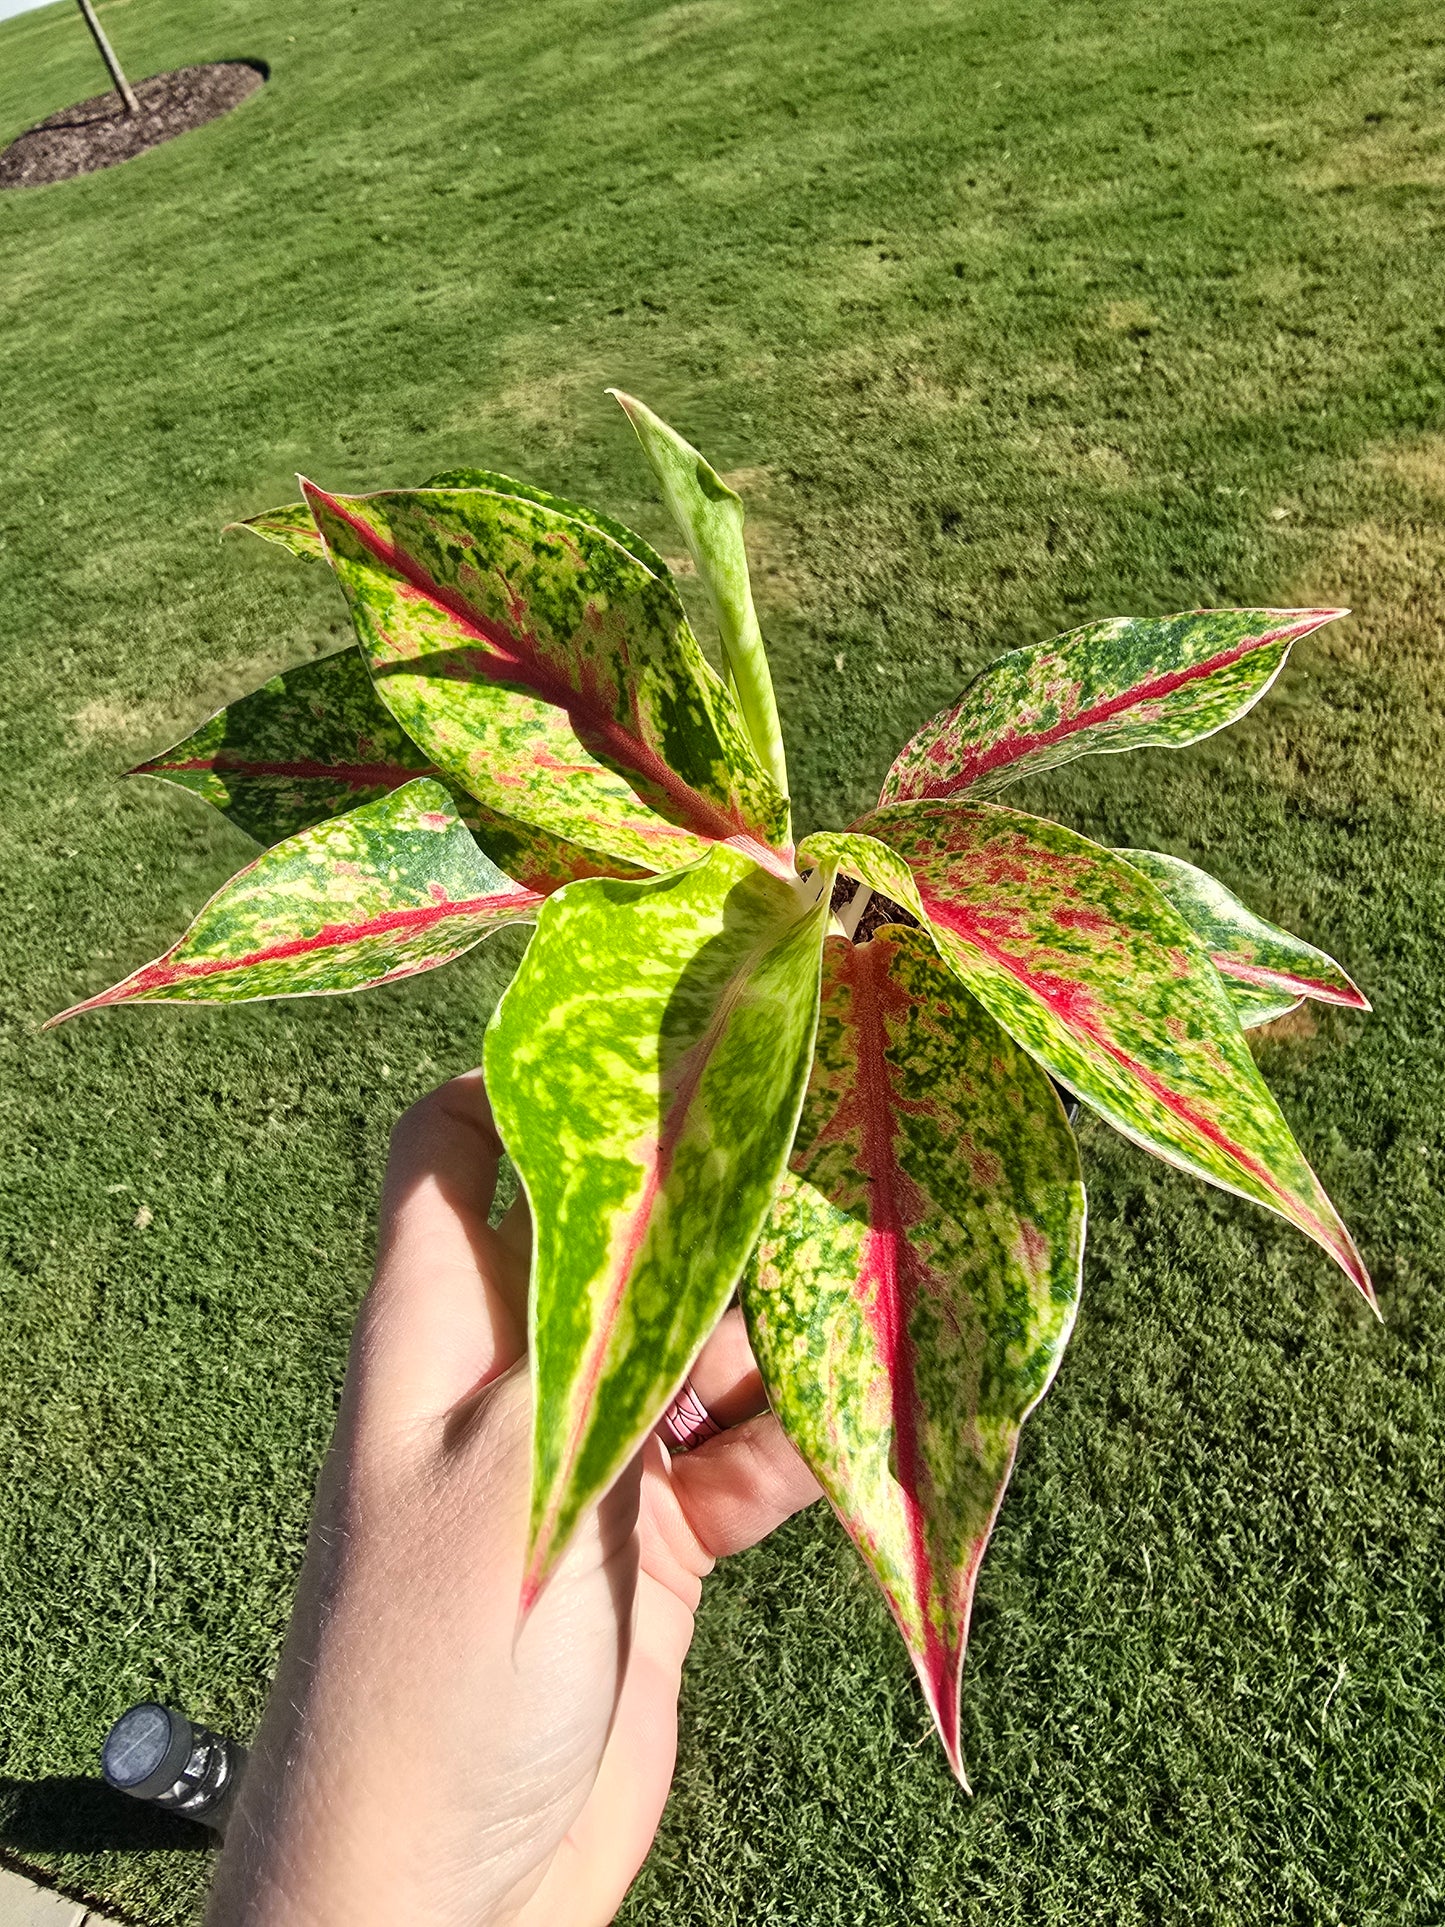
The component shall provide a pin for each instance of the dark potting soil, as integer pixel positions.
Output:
(878, 911)
(99, 132)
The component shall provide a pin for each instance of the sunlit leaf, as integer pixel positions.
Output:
(291, 526)
(917, 1279)
(1084, 963)
(709, 516)
(395, 887)
(1265, 970)
(546, 669)
(646, 1067)
(1127, 683)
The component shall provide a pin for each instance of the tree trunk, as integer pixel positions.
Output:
(107, 54)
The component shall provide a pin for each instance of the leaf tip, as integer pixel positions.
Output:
(945, 1708)
(534, 1584)
(98, 1002)
(1305, 621)
(1353, 1266)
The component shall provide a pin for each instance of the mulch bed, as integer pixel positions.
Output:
(99, 133)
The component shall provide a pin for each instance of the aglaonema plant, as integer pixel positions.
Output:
(709, 1079)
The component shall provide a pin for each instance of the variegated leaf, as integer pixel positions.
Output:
(307, 745)
(917, 1278)
(495, 484)
(646, 1066)
(395, 887)
(1128, 683)
(710, 517)
(545, 668)
(1266, 970)
(1086, 965)
(316, 741)
(291, 526)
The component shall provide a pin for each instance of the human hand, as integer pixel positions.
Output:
(422, 1759)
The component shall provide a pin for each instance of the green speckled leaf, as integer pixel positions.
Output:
(292, 528)
(1265, 970)
(646, 1067)
(1084, 963)
(710, 517)
(1128, 683)
(484, 478)
(544, 667)
(917, 1278)
(307, 745)
(393, 888)
(316, 741)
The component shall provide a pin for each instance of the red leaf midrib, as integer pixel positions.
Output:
(1012, 746)
(352, 775)
(331, 937)
(890, 1265)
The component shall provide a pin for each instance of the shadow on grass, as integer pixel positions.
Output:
(69, 1814)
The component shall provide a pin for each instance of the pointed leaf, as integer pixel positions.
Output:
(290, 527)
(394, 888)
(316, 741)
(1086, 965)
(307, 745)
(917, 1279)
(646, 1067)
(548, 670)
(1265, 969)
(710, 518)
(1129, 683)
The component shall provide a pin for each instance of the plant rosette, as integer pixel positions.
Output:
(706, 1084)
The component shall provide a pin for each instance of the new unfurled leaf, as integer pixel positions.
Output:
(1265, 970)
(709, 516)
(393, 888)
(1082, 960)
(646, 1067)
(316, 741)
(866, 859)
(917, 1278)
(1128, 683)
(550, 672)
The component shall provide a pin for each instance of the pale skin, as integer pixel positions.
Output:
(423, 1758)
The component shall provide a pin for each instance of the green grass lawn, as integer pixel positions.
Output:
(1002, 315)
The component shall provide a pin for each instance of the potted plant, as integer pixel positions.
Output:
(825, 1074)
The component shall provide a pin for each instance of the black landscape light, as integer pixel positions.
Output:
(154, 1753)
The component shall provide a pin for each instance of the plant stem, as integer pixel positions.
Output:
(107, 54)
(853, 909)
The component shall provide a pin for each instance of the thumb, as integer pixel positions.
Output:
(447, 1309)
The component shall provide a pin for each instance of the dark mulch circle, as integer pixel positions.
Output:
(99, 133)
